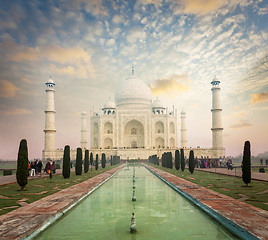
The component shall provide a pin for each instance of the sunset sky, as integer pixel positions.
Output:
(176, 46)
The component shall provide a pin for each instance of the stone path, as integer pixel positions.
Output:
(25, 220)
(254, 175)
(253, 219)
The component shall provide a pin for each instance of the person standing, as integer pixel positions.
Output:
(53, 167)
(39, 167)
(32, 169)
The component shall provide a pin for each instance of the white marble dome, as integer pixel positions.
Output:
(109, 104)
(133, 91)
(157, 104)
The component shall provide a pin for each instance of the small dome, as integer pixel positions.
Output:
(109, 104)
(157, 104)
(50, 81)
(133, 90)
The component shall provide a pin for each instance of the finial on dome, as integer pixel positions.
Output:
(132, 70)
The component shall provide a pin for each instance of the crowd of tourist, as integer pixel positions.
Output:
(35, 168)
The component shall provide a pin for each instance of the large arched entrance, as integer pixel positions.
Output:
(134, 134)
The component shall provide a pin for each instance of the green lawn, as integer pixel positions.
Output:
(38, 188)
(227, 185)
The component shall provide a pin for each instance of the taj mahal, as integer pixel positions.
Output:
(134, 126)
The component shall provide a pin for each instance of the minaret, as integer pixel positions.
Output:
(50, 117)
(183, 130)
(216, 115)
(83, 130)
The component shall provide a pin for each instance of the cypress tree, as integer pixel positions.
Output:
(170, 160)
(66, 171)
(97, 162)
(103, 160)
(86, 162)
(182, 160)
(191, 161)
(111, 160)
(177, 159)
(22, 165)
(91, 160)
(78, 165)
(246, 168)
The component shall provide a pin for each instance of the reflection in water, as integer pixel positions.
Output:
(160, 213)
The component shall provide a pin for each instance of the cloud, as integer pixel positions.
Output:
(29, 54)
(241, 124)
(204, 7)
(237, 115)
(76, 56)
(95, 7)
(171, 85)
(136, 33)
(259, 97)
(26, 80)
(78, 71)
(7, 89)
(16, 111)
(117, 19)
(53, 53)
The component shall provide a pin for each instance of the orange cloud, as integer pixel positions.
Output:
(16, 111)
(259, 97)
(171, 85)
(29, 54)
(241, 124)
(237, 115)
(205, 6)
(79, 71)
(26, 80)
(7, 89)
(76, 56)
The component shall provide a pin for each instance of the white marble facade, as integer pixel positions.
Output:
(134, 126)
(133, 121)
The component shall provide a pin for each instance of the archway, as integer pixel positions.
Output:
(172, 142)
(159, 142)
(159, 127)
(171, 128)
(95, 143)
(108, 128)
(108, 143)
(133, 134)
(95, 128)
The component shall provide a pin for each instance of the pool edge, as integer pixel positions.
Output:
(233, 227)
(46, 224)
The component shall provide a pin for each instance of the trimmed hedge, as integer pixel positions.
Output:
(262, 170)
(7, 172)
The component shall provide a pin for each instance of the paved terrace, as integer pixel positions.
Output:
(237, 172)
(253, 219)
(25, 220)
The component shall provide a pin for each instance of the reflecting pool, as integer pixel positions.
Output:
(160, 213)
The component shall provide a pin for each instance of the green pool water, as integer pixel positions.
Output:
(160, 213)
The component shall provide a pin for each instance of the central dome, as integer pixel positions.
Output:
(133, 91)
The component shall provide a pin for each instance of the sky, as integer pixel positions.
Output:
(177, 47)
